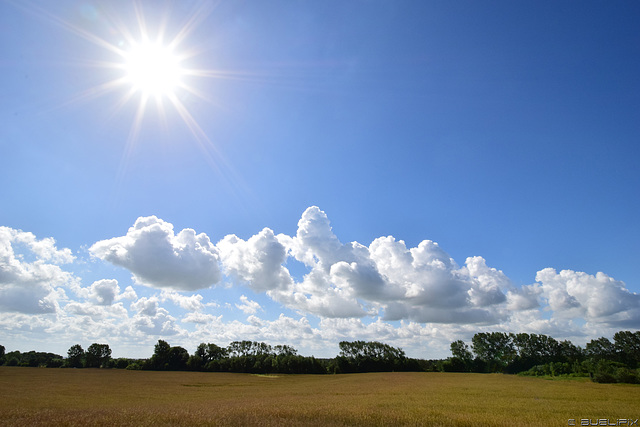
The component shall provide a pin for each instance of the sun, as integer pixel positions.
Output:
(148, 61)
(153, 69)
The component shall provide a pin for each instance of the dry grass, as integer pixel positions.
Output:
(33, 396)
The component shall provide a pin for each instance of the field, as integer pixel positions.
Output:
(41, 396)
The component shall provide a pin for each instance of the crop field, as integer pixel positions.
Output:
(41, 396)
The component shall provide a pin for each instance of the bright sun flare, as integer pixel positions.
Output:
(153, 69)
(150, 66)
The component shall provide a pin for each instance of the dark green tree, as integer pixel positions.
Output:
(75, 356)
(13, 358)
(261, 348)
(239, 348)
(198, 361)
(215, 352)
(121, 363)
(160, 359)
(600, 348)
(285, 350)
(536, 348)
(177, 359)
(461, 351)
(453, 364)
(461, 358)
(532, 350)
(201, 352)
(627, 347)
(362, 356)
(194, 363)
(98, 356)
(496, 349)
(248, 348)
(205, 354)
(569, 352)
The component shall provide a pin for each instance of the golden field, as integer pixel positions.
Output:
(41, 396)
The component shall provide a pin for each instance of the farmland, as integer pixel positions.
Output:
(37, 396)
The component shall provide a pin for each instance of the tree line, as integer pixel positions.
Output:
(239, 356)
(539, 355)
(489, 352)
(261, 358)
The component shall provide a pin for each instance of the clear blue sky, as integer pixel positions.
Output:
(507, 132)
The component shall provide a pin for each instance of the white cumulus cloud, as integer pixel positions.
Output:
(599, 298)
(31, 279)
(423, 284)
(151, 319)
(161, 259)
(105, 291)
(257, 261)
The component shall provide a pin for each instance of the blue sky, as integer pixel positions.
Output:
(507, 132)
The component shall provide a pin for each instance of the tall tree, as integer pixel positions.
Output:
(98, 355)
(201, 352)
(248, 348)
(239, 348)
(569, 352)
(160, 357)
(362, 356)
(75, 356)
(495, 348)
(285, 350)
(215, 352)
(177, 359)
(600, 348)
(537, 349)
(461, 351)
(627, 346)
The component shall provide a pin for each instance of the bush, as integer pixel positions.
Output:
(626, 375)
(479, 365)
(195, 363)
(453, 364)
(558, 368)
(54, 363)
(606, 371)
(604, 378)
(536, 371)
(121, 363)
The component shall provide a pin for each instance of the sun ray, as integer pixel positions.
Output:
(131, 140)
(124, 100)
(215, 159)
(86, 35)
(196, 18)
(93, 92)
(196, 93)
(200, 135)
(142, 24)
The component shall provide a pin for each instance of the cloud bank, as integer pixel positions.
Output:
(383, 290)
(385, 279)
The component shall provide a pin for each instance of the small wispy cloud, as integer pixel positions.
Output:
(248, 306)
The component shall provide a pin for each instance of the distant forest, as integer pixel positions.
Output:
(490, 352)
